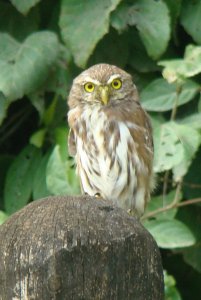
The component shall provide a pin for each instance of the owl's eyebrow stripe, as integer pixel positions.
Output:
(89, 79)
(96, 82)
(114, 76)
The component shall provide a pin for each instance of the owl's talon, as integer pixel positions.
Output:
(133, 213)
(97, 195)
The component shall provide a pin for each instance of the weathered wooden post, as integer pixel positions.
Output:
(77, 248)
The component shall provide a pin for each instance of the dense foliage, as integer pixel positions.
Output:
(43, 45)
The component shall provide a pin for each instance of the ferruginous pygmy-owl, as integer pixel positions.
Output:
(111, 137)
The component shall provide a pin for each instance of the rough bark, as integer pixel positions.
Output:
(77, 248)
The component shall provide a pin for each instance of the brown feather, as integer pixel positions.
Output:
(71, 143)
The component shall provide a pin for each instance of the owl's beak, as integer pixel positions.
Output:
(104, 93)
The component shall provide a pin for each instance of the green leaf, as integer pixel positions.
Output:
(38, 137)
(25, 66)
(3, 217)
(175, 146)
(8, 47)
(38, 101)
(171, 292)
(192, 217)
(190, 18)
(3, 107)
(5, 162)
(190, 140)
(174, 9)
(18, 26)
(168, 150)
(77, 20)
(19, 179)
(159, 95)
(179, 69)
(39, 181)
(158, 202)
(193, 187)
(170, 233)
(193, 120)
(146, 16)
(120, 18)
(157, 119)
(50, 112)
(24, 5)
(193, 257)
(139, 59)
(60, 177)
(199, 105)
(61, 137)
(143, 79)
(55, 115)
(169, 280)
(60, 80)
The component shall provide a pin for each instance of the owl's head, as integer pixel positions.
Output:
(101, 84)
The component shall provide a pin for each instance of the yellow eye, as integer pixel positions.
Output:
(116, 84)
(89, 87)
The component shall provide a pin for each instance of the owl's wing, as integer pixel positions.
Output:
(132, 114)
(71, 143)
(148, 129)
(144, 136)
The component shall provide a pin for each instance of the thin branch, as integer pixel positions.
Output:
(192, 185)
(184, 183)
(171, 206)
(165, 184)
(178, 190)
(174, 110)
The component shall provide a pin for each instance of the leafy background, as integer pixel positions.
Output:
(44, 44)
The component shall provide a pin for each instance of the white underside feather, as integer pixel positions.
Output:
(109, 183)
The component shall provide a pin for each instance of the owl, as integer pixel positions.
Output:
(111, 137)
